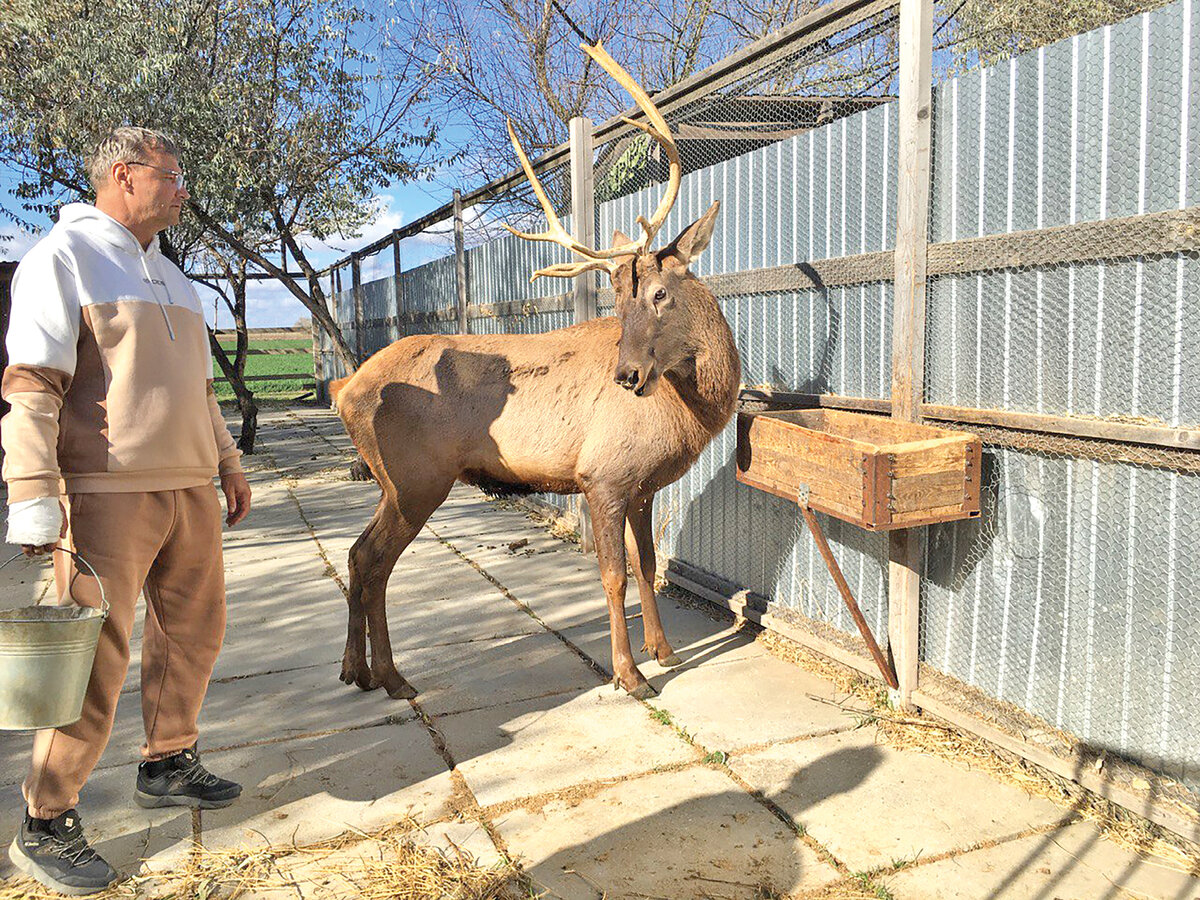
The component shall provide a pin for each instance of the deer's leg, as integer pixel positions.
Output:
(354, 659)
(373, 559)
(608, 528)
(639, 540)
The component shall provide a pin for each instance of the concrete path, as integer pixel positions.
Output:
(744, 778)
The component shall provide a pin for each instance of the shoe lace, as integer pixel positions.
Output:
(74, 849)
(197, 774)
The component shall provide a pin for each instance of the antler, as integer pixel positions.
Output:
(604, 259)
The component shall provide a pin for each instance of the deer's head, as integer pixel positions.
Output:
(657, 300)
(655, 291)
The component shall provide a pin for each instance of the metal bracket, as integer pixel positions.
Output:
(802, 495)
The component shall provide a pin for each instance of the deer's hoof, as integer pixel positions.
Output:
(355, 673)
(399, 689)
(643, 691)
(671, 661)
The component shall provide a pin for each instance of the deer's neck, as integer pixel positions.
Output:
(709, 386)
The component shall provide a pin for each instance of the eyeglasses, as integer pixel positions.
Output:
(178, 176)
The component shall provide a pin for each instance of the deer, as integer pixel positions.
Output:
(615, 408)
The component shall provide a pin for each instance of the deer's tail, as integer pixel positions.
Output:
(335, 387)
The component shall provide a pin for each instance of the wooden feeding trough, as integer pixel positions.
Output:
(875, 472)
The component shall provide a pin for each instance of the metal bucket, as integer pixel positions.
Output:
(46, 655)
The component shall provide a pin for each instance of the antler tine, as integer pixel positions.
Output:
(657, 129)
(555, 233)
(570, 270)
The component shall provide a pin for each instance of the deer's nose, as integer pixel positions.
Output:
(627, 378)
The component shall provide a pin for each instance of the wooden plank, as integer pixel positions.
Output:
(911, 460)
(1109, 240)
(1074, 426)
(1150, 234)
(817, 274)
(303, 378)
(927, 493)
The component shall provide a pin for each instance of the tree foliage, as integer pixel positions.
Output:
(288, 116)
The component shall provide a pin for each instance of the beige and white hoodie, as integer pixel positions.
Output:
(109, 372)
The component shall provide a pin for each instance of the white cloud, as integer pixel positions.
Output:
(15, 242)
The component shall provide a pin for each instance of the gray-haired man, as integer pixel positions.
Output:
(113, 412)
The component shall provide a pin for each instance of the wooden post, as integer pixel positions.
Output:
(908, 324)
(460, 264)
(583, 211)
(398, 284)
(356, 286)
(319, 386)
(583, 224)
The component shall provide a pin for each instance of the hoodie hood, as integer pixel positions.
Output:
(89, 222)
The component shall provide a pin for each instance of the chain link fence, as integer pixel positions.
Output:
(1064, 238)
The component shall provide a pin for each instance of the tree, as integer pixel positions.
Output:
(288, 118)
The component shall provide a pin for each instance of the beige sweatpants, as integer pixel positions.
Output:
(166, 545)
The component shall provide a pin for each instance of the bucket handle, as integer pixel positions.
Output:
(80, 559)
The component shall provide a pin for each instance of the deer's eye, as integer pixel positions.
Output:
(660, 295)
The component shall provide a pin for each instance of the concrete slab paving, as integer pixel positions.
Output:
(774, 701)
(278, 706)
(1071, 863)
(456, 677)
(460, 607)
(305, 791)
(691, 833)
(873, 806)
(535, 746)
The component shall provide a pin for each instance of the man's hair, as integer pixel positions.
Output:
(126, 144)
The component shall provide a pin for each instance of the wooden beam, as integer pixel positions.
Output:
(908, 326)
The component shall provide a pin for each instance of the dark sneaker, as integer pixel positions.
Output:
(181, 780)
(55, 853)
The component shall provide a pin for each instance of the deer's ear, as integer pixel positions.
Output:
(619, 238)
(693, 240)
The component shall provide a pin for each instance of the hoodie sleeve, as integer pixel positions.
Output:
(42, 335)
(228, 455)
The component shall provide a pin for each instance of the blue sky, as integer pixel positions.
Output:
(267, 302)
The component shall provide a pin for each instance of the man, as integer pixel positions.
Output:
(109, 378)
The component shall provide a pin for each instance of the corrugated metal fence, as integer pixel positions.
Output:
(1074, 597)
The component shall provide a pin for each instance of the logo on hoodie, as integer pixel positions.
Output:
(154, 281)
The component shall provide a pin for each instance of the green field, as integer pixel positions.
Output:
(291, 369)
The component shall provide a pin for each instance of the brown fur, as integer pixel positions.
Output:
(543, 413)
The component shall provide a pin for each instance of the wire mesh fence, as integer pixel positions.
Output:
(1063, 257)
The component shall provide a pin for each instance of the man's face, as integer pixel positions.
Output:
(153, 199)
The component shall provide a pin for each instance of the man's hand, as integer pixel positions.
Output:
(39, 549)
(237, 497)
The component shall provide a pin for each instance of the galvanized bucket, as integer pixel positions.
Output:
(46, 655)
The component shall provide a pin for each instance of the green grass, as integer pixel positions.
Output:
(297, 366)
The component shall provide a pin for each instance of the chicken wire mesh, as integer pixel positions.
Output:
(1072, 596)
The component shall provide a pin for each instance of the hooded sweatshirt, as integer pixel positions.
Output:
(109, 369)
